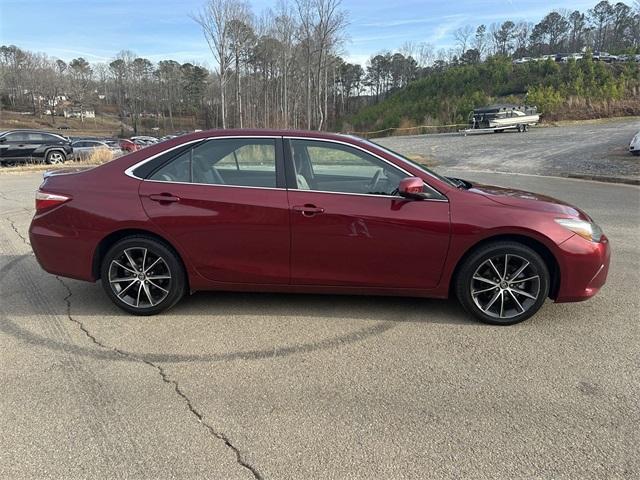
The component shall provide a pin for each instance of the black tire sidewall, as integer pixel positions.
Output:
(483, 253)
(178, 284)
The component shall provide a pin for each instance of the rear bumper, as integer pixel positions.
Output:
(60, 250)
(584, 267)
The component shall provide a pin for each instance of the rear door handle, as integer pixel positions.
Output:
(308, 210)
(164, 197)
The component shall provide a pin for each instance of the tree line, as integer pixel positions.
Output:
(280, 69)
(611, 28)
(283, 68)
(575, 89)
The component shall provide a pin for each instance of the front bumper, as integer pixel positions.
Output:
(584, 267)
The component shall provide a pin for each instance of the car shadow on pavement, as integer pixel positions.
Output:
(319, 306)
(43, 293)
(37, 299)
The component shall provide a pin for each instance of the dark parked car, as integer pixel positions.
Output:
(270, 210)
(22, 146)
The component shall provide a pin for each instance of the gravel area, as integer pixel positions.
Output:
(598, 148)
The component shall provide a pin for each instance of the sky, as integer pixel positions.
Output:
(162, 29)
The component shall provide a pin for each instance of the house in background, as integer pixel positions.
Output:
(79, 113)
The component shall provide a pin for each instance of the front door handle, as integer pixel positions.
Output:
(164, 198)
(308, 209)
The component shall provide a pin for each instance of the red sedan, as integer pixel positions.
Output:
(128, 145)
(283, 211)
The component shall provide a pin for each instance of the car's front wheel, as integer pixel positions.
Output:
(503, 283)
(142, 275)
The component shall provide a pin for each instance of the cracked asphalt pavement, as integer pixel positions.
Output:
(230, 385)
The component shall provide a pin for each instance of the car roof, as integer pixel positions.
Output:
(29, 130)
(257, 132)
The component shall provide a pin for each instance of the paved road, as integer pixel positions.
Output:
(282, 386)
(593, 148)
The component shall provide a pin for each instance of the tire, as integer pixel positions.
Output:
(500, 299)
(636, 153)
(55, 157)
(149, 292)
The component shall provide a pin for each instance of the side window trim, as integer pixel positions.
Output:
(289, 169)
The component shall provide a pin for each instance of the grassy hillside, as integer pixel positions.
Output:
(583, 89)
(104, 125)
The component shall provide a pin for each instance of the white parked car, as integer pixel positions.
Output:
(634, 146)
(149, 140)
(83, 149)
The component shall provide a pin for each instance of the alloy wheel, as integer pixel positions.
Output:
(55, 158)
(140, 277)
(505, 286)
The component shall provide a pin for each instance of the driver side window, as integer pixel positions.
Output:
(334, 167)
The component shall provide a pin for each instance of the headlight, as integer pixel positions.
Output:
(587, 230)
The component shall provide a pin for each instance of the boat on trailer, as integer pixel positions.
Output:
(498, 118)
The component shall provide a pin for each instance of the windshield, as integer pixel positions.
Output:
(412, 162)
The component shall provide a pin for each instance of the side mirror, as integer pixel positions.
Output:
(411, 187)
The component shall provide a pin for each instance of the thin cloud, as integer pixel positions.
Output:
(398, 23)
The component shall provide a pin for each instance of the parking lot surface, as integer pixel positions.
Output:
(592, 148)
(229, 385)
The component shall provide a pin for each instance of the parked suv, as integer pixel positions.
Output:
(22, 146)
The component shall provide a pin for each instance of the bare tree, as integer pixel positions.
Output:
(330, 22)
(463, 37)
(425, 54)
(283, 30)
(53, 84)
(241, 38)
(215, 19)
(305, 34)
(80, 82)
(480, 40)
(521, 36)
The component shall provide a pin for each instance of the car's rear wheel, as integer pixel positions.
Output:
(142, 275)
(503, 283)
(55, 157)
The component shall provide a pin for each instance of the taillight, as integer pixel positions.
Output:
(45, 201)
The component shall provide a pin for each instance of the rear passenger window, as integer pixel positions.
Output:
(227, 161)
(233, 161)
(35, 137)
(177, 170)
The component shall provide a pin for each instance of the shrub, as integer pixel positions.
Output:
(99, 156)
